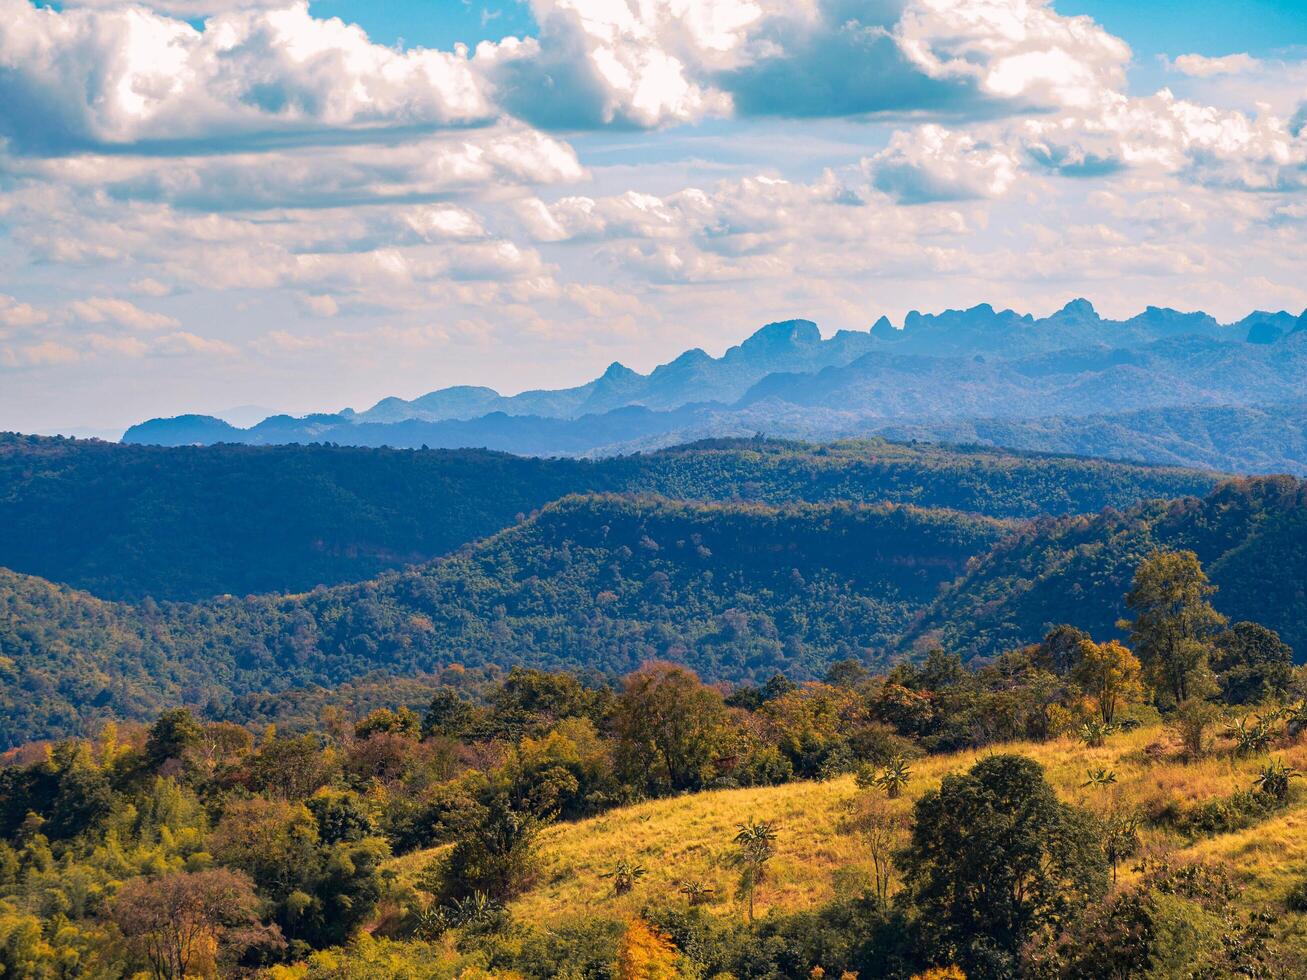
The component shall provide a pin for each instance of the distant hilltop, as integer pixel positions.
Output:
(960, 370)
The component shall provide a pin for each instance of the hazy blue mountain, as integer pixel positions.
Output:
(962, 375)
(797, 346)
(1184, 370)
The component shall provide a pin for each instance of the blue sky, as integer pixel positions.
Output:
(209, 203)
(1211, 27)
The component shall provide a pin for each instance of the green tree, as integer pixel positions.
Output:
(1174, 625)
(995, 856)
(449, 715)
(668, 727)
(1252, 664)
(498, 856)
(171, 736)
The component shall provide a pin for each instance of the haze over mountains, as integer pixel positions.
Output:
(1159, 387)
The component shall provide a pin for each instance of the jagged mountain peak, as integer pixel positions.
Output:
(617, 371)
(781, 335)
(1080, 308)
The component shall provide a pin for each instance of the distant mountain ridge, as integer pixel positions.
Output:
(125, 522)
(786, 379)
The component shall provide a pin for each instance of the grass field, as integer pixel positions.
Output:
(689, 837)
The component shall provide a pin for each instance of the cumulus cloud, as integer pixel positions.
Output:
(16, 314)
(124, 75)
(1205, 144)
(656, 62)
(598, 64)
(187, 9)
(1199, 66)
(437, 165)
(932, 163)
(1022, 51)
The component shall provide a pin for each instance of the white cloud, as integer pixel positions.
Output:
(931, 163)
(127, 75)
(1205, 144)
(655, 62)
(118, 312)
(16, 314)
(183, 343)
(1020, 50)
(1199, 66)
(187, 9)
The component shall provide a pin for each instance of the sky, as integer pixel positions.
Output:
(244, 206)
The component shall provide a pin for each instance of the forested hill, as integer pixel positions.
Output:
(1250, 534)
(601, 583)
(127, 521)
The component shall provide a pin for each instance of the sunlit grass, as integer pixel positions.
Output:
(689, 837)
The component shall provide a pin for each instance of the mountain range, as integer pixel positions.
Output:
(971, 372)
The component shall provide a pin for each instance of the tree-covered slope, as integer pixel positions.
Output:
(1250, 534)
(187, 523)
(1249, 439)
(599, 582)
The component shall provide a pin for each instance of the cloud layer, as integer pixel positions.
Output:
(271, 200)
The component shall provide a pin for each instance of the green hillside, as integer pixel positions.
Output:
(598, 583)
(127, 521)
(1250, 535)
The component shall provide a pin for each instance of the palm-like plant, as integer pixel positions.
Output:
(476, 909)
(696, 892)
(1295, 716)
(755, 843)
(1252, 737)
(894, 777)
(1274, 779)
(1099, 777)
(1120, 838)
(625, 874)
(1094, 733)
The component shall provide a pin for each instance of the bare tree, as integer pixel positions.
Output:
(879, 827)
(187, 924)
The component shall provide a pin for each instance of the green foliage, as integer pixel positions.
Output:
(669, 727)
(624, 875)
(993, 858)
(1274, 780)
(603, 583)
(499, 855)
(127, 521)
(755, 844)
(1249, 534)
(1252, 664)
(1175, 624)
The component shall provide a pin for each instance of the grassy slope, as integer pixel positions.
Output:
(689, 836)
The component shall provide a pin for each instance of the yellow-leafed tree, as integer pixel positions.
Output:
(646, 954)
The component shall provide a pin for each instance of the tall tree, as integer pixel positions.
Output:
(994, 856)
(1252, 663)
(668, 726)
(755, 845)
(1109, 673)
(1175, 624)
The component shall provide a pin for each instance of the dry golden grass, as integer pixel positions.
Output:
(689, 837)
